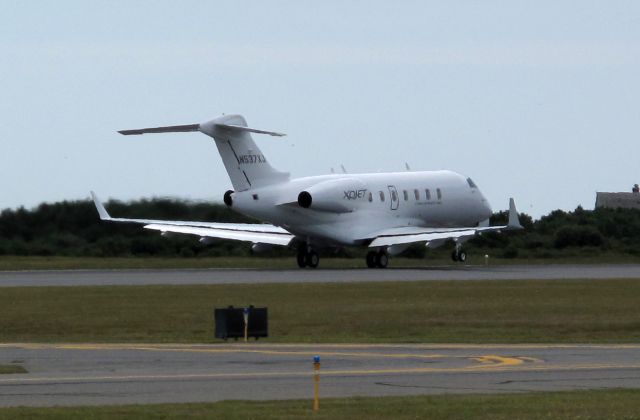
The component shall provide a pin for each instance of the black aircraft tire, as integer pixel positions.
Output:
(382, 260)
(313, 259)
(301, 259)
(371, 259)
(454, 255)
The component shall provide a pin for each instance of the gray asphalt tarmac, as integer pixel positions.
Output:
(87, 374)
(255, 276)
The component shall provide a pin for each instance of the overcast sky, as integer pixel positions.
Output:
(535, 100)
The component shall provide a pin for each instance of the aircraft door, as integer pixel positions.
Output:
(393, 197)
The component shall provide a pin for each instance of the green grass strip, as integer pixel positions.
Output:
(619, 404)
(8, 369)
(8, 262)
(557, 311)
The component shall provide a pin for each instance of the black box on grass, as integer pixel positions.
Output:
(230, 322)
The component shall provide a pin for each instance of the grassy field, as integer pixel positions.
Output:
(8, 369)
(71, 263)
(619, 404)
(570, 311)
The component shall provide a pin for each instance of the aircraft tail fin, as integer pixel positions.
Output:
(244, 161)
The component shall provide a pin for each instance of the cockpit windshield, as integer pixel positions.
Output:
(471, 183)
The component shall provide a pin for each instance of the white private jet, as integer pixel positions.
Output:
(385, 212)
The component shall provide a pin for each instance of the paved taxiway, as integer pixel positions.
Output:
(254, 276)
(85, 374)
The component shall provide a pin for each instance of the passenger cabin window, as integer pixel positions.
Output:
(417, 194)
(382, 196)
(471, 183)
(370, 197)
(439, 193)
(427, 194)
(406, 195)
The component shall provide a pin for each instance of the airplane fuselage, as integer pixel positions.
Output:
(385, 212)
(343, 208)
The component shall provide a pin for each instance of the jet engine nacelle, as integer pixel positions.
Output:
(335, 196)
(260, 248)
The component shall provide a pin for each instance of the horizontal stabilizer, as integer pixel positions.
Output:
(195, 127)
(168, 129)
(250, 130)
(246, 165)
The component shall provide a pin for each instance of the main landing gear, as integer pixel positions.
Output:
(378, 259)
(459, 255)
(307, 258)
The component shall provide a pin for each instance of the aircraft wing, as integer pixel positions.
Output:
(407, 235)
(256, 233)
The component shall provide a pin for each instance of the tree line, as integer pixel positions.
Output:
(72, 228)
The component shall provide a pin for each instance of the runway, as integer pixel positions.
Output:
(96, 374)
(257, 276)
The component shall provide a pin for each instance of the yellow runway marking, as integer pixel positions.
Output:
(482, 363)
(269, 352)
(529, 359)
(327, 373)
(490, 360)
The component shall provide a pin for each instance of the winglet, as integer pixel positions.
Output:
(104, 215)
(514, 222)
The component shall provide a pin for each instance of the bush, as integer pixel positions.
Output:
(510, 252)
(578, 236)
(72, 228)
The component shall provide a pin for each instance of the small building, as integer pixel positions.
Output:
(618, 200)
